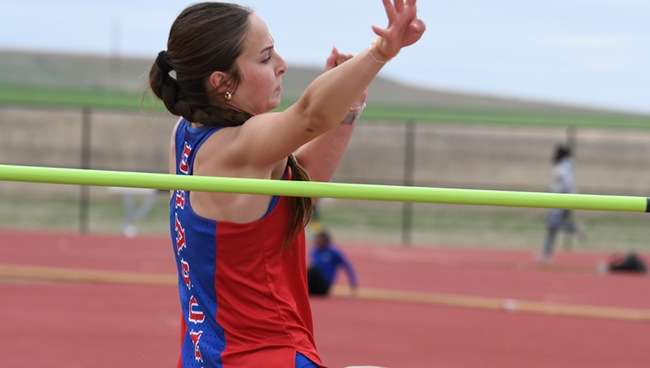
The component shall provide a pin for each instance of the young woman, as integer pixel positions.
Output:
(241, 258)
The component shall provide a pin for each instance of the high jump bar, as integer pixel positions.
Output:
(371, 192)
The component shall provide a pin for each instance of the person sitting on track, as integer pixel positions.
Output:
(325, 261)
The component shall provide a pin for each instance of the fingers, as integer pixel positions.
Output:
(404, 27)
(390, 11)
(343, 58)
(411, 5)
(414, 32)
(336, 58)
(399, 5)
(380, 31)
(331, 60)
(335, 51)
(418, 26)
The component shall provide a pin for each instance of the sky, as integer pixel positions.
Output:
(584, 52)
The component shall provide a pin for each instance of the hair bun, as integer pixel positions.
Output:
(163, 62)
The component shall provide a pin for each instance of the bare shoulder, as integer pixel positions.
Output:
(266, 139)
(216, 157)
(221, 155)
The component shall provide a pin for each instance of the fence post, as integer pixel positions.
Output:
(84, 195)
(408, 180)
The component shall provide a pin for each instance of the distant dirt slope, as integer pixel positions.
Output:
(100, 72)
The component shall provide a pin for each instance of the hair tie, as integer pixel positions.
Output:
(163, 62)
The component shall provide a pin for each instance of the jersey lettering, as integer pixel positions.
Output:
(180, 236)
(180, 199)
(196, 339)
(195, 315)
(186, 274)
(184, 166)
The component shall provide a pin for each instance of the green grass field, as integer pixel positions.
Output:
(76, 98)
(119, 100)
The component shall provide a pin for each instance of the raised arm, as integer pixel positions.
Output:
(321, 156)
(267, 138)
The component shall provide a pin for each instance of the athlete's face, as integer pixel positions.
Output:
(261, 70)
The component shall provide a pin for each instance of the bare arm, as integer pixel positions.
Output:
(268, 138)
(349, 270)
(321, 156)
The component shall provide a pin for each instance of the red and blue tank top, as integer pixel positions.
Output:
(243, 296)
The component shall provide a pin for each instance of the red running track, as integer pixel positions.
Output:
(69, 324)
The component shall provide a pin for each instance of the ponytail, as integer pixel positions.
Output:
(301, 207)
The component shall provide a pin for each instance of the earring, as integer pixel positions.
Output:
(228, 96)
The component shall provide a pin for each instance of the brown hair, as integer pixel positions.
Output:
(205, 38)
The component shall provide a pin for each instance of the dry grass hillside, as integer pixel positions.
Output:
(22, 68)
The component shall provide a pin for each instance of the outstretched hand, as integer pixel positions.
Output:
(404, 28)
(335, 59)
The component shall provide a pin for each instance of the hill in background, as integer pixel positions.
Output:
(76, 71)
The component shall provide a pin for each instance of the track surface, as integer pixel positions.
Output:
(106, 301)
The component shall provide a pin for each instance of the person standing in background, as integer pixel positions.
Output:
(561, 220)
